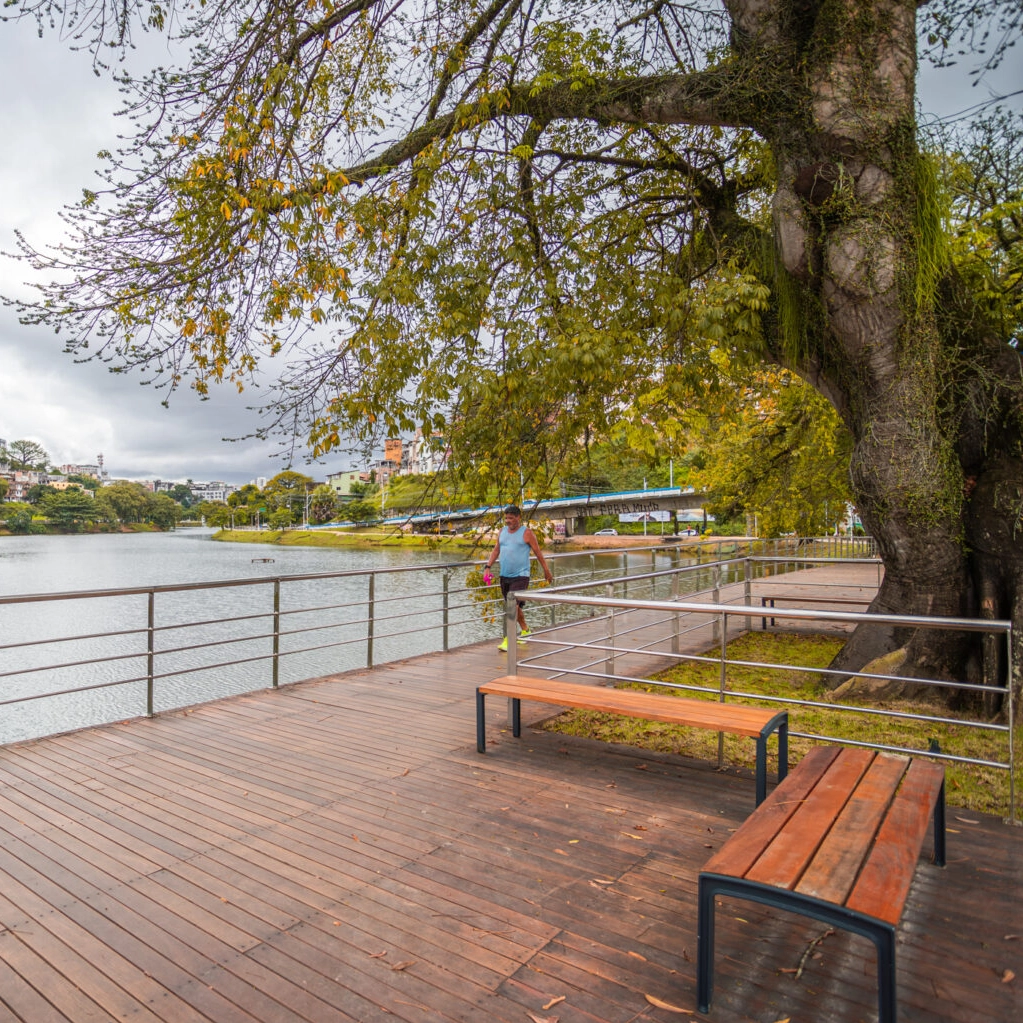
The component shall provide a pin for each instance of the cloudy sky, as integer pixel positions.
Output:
(55, 114)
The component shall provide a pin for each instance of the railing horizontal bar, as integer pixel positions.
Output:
(908, 750)
(850, 708)
(72, 664)
(71, 692)
(72, 639)
(994, 625)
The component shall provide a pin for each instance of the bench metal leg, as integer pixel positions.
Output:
(481, 722)
(761, 768)
(704, 946)
(711, 886)
(780, 724)
(884, 941)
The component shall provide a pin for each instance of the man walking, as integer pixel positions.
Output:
(514, 543)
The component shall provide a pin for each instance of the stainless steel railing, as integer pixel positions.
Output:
(597, 656)
(120, 652)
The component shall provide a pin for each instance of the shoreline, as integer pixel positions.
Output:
(422, 541)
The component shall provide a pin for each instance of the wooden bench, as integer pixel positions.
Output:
(735, 718)
(838, 841)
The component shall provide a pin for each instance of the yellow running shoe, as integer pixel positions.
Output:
(504, 645)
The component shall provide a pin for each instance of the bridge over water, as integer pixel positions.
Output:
(572, 509)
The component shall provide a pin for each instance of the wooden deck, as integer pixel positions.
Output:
(337, 850)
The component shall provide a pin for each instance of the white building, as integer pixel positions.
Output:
(215, 491)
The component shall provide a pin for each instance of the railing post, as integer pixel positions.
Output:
(511, 634)
(275, 682)
(715, 593)
(677, 615)
(1010, 696)
(721, 683)
(371, 619)
(609, 661)
(747, 569)
(447, 581)
(150, 652)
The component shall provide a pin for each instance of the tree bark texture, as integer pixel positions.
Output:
(934, 414)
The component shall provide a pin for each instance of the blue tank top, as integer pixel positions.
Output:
(513, 553)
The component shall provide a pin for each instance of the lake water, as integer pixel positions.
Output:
(210, 643)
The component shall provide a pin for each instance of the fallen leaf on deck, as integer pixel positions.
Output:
(405, 965)
(788, 969)
(1008, 977)
(554, 1001)
(742, 920)
(561, 852)
(665, 1005)
(377, 955)
(573, 841)
(640, 827)
(627, 834)
(638, 956)
(597, 880)
(642, 767)
(785, 1020)
(403, 773)
(1011, 937)
(542, 1019)
(355, 838)
(965, 820)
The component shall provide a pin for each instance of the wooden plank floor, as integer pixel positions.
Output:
(338, 851)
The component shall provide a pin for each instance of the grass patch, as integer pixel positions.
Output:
(362, 539)
(967, 786)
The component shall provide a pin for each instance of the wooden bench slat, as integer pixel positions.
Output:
(886, 876)
(743, 849)
(784, 861)
(834, 869)
(735, 718)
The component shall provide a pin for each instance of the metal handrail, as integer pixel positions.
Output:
(722, 612)
(437, 611)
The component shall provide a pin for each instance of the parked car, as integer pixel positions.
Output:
(606, 532)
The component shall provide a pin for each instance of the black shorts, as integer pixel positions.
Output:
(511, 583)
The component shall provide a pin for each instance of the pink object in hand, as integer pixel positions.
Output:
(487, 578)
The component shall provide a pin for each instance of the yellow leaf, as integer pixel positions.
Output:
(666, 1005)
(226, 210)
(554, 1001)
(1008, 977)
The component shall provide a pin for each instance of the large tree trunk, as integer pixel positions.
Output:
(934, 480)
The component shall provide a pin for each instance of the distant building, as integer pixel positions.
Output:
(428, 454)
(20, 482)
(341, 482)
(65, 484)
(395, 452)
(215, 491)
(81, 470)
